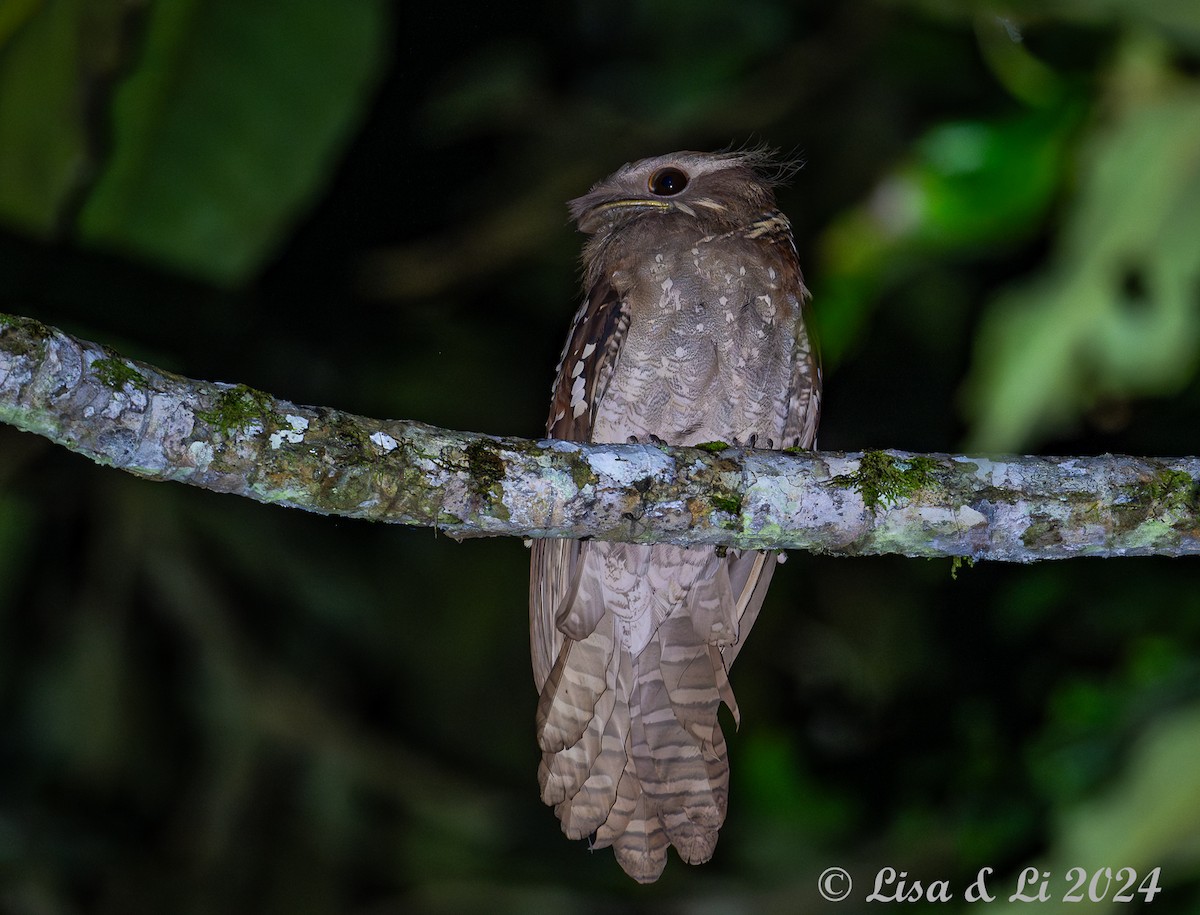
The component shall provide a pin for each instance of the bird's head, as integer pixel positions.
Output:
(720, 191)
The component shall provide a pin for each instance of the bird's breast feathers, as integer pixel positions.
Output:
(710, 349)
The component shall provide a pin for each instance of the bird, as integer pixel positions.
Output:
(691, 331)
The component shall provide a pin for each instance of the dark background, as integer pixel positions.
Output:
(211, 705)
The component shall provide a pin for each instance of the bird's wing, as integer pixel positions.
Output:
(804, 398)
(750, 572)
(583, 373)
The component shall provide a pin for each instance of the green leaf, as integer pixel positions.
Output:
(42, 139)
(968, 186)
(1148, 815)
(225, 129)
(1115, 315)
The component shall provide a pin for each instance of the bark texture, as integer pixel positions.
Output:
(231, 438)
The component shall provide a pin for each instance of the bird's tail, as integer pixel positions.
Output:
(632, 753)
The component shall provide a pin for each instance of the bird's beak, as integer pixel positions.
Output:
(591, 222)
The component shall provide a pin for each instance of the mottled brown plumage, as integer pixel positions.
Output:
(691, 331)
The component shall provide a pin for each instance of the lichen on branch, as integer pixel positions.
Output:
(232, 438)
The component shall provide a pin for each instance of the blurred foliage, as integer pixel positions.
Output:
(184, 132)
(1116, 315)
(209, 706)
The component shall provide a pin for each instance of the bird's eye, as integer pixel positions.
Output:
(667, 182)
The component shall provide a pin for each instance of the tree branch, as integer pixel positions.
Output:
(231, 438)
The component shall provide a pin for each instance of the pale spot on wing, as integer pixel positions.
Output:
(578, 404)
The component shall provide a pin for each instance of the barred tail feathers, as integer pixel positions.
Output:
(632, 751)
